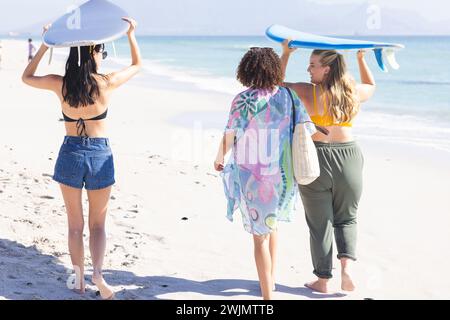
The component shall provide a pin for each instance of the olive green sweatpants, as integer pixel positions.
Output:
(331, 203)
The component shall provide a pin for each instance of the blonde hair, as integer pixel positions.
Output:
(343, 101)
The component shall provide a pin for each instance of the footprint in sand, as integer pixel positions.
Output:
(26, 221)
(58, 254)
(159, 239)
(135, 233)
(41, 240)
(48, 197)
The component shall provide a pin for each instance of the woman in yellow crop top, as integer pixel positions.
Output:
(333, 100)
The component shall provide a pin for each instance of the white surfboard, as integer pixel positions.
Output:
(94, 22)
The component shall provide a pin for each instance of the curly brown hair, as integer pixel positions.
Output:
(260, 68)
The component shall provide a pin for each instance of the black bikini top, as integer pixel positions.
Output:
(81, 125)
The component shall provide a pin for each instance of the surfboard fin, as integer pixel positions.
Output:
(379, 56)
(390, 57)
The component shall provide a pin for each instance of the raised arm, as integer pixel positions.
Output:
(367, 87)
(48, 82)
(300, 88)
(116, 79)
(287, 51)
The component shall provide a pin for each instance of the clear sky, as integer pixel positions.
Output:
(238, 17)
(430, 9)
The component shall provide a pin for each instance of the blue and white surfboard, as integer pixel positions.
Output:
(305, 40)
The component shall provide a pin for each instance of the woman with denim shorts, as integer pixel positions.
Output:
(85, 158)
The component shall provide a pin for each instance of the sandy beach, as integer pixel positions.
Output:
(168, 237)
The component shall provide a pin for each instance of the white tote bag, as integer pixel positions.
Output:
(304, 156)
(304, 153)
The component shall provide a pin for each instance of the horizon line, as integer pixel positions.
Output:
(19, 36)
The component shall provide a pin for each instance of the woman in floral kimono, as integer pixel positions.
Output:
(259, 178)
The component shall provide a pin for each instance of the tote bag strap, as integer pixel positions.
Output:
(293, 105)
(323, 130)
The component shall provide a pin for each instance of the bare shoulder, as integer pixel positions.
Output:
(54, 79)
(303, 89)
(52, 82)
(103, 79)
(118, 78)
(112, 80)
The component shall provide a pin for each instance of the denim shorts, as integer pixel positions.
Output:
(85, 162)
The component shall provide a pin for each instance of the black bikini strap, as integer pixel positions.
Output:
(81, 128)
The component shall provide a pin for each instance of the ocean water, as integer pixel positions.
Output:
(410, 105)
(421, 86)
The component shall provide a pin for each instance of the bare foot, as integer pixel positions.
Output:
(82, 287)
(347, 282)
(105, 290)
(76, 284)
(320, 285)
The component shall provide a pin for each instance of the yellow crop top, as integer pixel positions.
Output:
(325, 120)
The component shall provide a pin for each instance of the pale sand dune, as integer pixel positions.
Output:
(154, 252)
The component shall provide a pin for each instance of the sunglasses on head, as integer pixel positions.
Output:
(101, 50)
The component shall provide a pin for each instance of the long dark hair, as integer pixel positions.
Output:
(80, 88)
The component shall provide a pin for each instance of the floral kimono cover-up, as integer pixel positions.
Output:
(259, 178)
